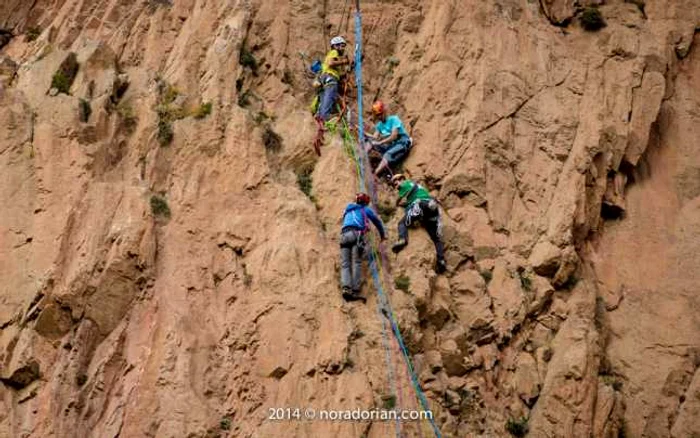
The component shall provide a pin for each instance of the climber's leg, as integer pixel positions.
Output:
(403, 235)
(356, 268)
(431, 223)
(328, 98)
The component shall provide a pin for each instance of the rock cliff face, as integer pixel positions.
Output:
(163, 274)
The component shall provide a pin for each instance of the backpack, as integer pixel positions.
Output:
(316, 67)
(356, 237)
(315, 70)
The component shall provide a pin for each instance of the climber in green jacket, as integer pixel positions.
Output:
(420, 207)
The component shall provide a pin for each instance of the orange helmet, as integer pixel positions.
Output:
(378, 108)
(362, 198)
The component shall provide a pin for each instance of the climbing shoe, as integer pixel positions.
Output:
(349, 295)
(440, 266)
(358, 297)
(398, 246)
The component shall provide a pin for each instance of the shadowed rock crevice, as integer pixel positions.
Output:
(5, 37)
(23, 376)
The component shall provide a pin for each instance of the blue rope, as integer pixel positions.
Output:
(383, 298)
(362, 157)
(387, 351)
(358, 81)
(397, 333)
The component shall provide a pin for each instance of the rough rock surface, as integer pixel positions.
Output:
(164, 274)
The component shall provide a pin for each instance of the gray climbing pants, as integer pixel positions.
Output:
(351, 251)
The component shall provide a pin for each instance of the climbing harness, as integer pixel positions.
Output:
(322, 127)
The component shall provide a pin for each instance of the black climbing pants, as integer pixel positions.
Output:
(427, 214)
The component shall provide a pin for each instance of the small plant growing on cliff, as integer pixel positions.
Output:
(525, 281)
(169, 93)
(391, 63)
(243, 99)
(591, 19)
(60, 83)
(167, 110)
(247, 59)
(32, 34)
(612, 381)
(402, 282)
(517, 426)
(271, 139)
(156, 3)
(165, 132)
(159, 207)
(486, 275)
(65, 75)
(84, 110)
(127, 115)
(202, 111)
(126, 111)
(260, 117)
(225, 423)
(388, 401)
(305, 182)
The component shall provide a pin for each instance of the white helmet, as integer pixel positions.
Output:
(337, 40)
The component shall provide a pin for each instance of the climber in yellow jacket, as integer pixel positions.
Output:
(332, 73)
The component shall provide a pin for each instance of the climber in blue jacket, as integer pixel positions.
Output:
(356, 220)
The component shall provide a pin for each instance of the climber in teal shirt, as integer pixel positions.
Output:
(390, 138)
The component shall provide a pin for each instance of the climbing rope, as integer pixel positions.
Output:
(389, 363)
(349, 149)
(374, 261)
(358, 83)
(378, 259)
(375, 267)
(354, 147)
(347, 12)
